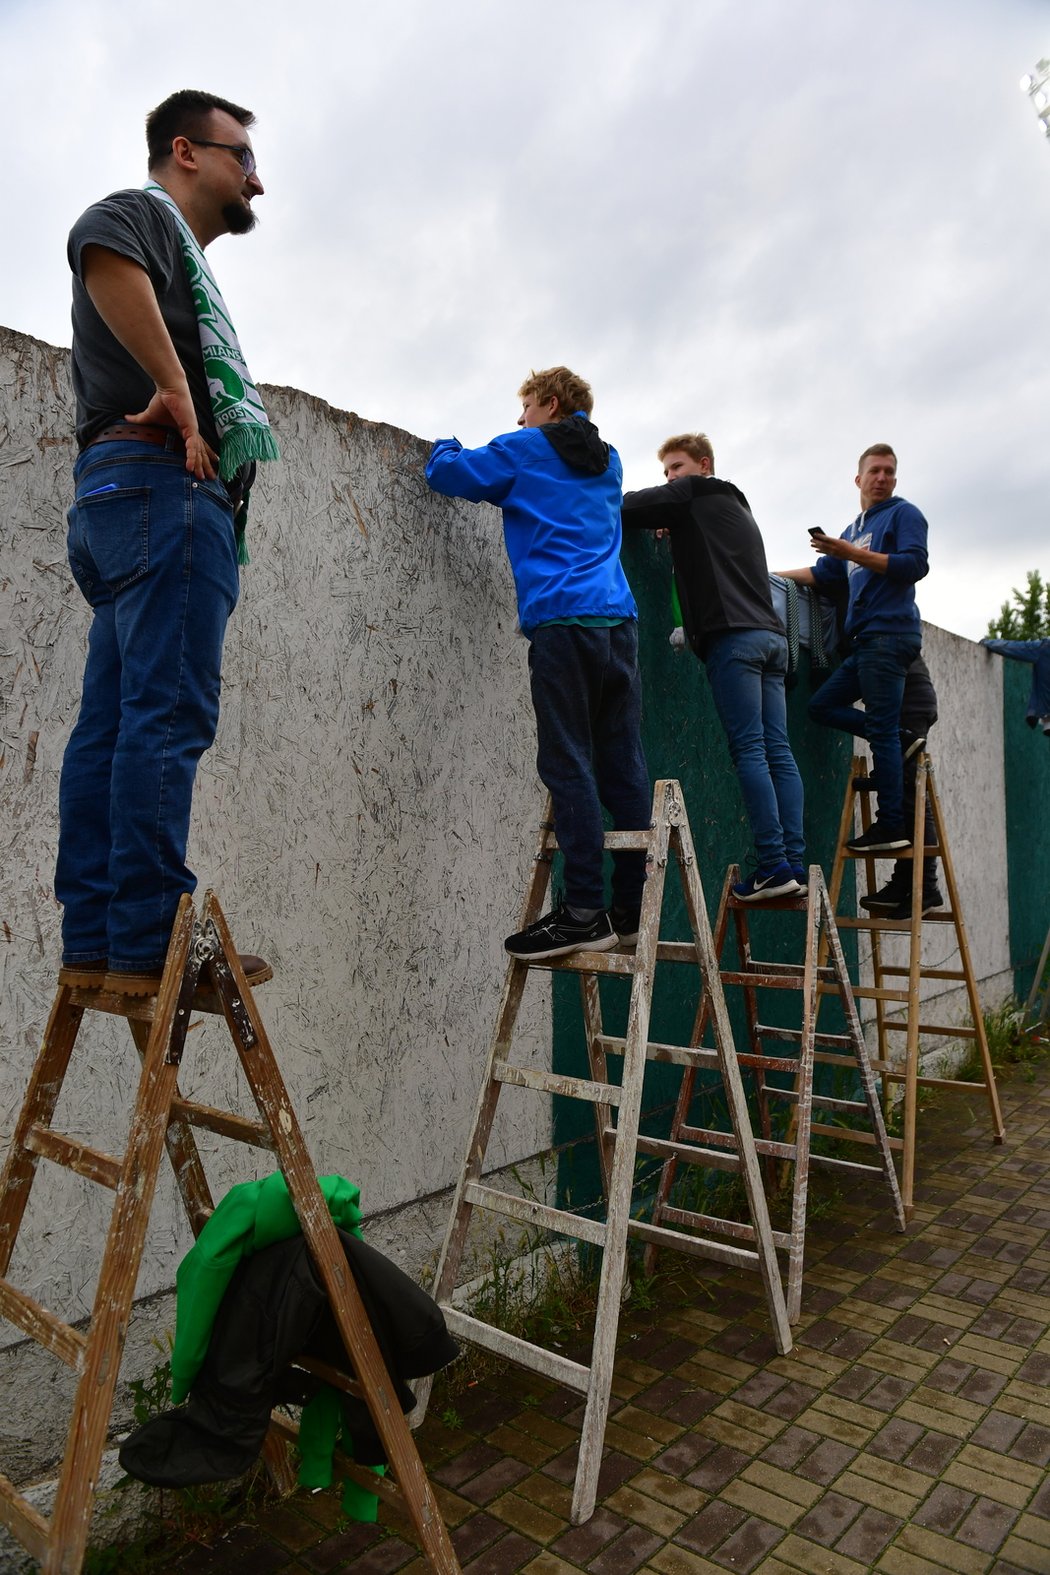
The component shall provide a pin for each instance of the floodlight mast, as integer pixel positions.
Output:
(1036, 83)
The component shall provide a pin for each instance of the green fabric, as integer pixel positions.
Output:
(676, 606)
(251, 1216)
(321, 1428)
(240, 420)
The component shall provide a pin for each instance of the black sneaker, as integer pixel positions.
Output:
(931, 901)
(911, 743)
(886, 900)
(558, 933)
(880, 838)
(776, 880)
(625, 922)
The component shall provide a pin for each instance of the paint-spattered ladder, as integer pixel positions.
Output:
(895, 991)
(781, 1062)
(161, 1117)
(617, 1109)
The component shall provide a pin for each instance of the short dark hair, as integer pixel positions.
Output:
(880, 450)
(184, 114)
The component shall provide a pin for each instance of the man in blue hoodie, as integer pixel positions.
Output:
(879, 558)
(558, 485)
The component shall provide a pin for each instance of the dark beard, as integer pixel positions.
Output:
(239, 218)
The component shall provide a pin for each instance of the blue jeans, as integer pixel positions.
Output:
(746, 670)
(874, 672)
(587, 696)
(1037, 652)
(152, 549)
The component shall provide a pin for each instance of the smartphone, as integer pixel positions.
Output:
(816, 530)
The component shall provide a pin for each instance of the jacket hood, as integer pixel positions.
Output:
(576, 441)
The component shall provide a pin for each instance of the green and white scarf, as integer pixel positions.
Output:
(240, 420)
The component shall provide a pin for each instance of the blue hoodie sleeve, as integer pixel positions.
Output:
(481, 475)
(908, 561)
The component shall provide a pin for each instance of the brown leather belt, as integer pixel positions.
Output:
(125, 432)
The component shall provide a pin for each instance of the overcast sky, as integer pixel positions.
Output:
(801, 227)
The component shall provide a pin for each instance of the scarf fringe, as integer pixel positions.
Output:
(243, 443)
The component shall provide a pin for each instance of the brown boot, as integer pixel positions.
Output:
(85, 975)
(256, 970)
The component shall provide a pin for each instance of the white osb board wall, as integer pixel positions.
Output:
(367, 814)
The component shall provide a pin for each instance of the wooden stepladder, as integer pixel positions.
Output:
(895, 991)
(162, 1117)
(1037, 1006)
(846, 1052)
(617, 1110)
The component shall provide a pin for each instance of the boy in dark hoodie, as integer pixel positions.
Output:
(730, 622)
(558, 485)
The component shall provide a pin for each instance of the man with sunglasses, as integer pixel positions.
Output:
(168, 426)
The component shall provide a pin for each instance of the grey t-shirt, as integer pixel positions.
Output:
(108, 383)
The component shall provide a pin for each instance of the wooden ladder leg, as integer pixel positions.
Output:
(803, 1108)
(89, 1423)
(911, 1061)
(735, 1098)
(860, 1051)
(742, 926)
(621, 1173)
(684, 1100)
(977, 1016)
(45, 1085)
(267, 1086)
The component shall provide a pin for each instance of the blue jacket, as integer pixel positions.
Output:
(561, 515)
(881, 603)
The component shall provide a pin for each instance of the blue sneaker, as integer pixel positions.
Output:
(801, 874)
(776, 880)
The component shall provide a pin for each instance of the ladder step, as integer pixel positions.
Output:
(689, 1153)
(933, 1028)
(794, 1036)
(902, 926)
(616, 841)
(677, 952)
(553, 1083)
(698, 1246)
(897, 853)
(824, 1101)
(739, 1229)
(765, 1146)
(675, 1055)
(756, 979)
(136, 1008)
(853, 1165)
(22, 1520)
(223, 1122)
(848, 1135)
(69, 1152)
(870, 992)
(532, 1213)
(591, 962)
(60, 1338)
(926, 973)
(534, 1357)
(939, 1082)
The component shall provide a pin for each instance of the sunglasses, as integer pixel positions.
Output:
(245, 156)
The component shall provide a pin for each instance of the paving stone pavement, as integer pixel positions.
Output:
(908, 1432)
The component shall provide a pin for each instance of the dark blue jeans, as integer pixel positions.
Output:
(874, 672)
(1037, 652)
(152, 549)
(746, 669)
(587, 696)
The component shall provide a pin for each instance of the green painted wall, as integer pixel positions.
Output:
(1027, 752)
(684, 739)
